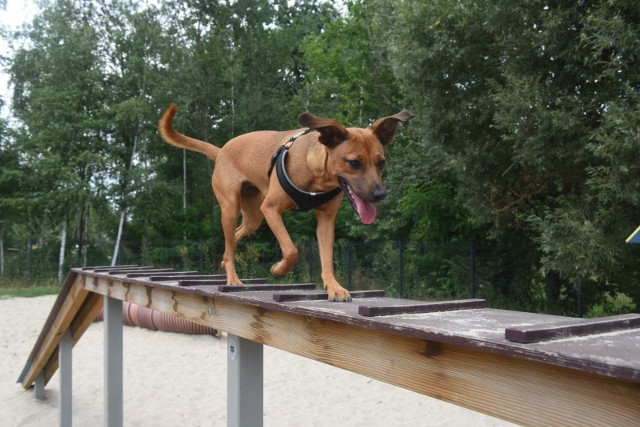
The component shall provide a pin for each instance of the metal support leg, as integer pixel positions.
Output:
(65, 365)
(244, 382)
(39, 386)
(113, 363)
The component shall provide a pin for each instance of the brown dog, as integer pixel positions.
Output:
(322, 160)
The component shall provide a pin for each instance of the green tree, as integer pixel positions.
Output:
(58, 101)
(529, 107)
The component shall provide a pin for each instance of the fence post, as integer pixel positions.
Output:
(310, 258)
(401, 278)
(201, 251)
(580, 298)
(349, 265)
(29, 262)
(472, 268)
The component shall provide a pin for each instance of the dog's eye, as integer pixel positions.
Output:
(354, 164)
(381, 164)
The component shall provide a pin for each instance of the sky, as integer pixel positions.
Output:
(16, 13)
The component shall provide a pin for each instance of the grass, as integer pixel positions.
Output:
(13, 288)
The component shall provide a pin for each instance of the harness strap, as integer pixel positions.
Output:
(287, 144)
(304, 200)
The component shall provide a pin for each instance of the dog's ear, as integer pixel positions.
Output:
(385, 128)
(331, 131)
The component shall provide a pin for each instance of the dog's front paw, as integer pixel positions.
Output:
(338, 295)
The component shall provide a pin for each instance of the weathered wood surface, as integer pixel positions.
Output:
(459, 356)
(393, 307)
(65, 311)
(573, 328)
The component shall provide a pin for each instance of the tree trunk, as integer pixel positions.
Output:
(116, 249)
(123, 209)
(63, 244)
(81, 230)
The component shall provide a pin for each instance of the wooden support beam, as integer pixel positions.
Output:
(85, 317)
(63, 319)
(510, 388)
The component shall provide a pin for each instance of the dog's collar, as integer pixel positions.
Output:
(304, 200)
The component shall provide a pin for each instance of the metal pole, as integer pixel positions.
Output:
(401, 278)
(580, 297)
(472, 261)
(310, 259)
(29, 262)
(244, 382)
(113, 362)
(349, 260)
(65, 365)
(39, 387)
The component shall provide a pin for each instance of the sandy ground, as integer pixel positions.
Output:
(180, 380)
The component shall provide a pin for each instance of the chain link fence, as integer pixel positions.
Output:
(415, 270)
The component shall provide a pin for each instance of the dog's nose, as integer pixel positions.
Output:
(379, 194)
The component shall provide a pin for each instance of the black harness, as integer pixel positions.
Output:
(304, 200)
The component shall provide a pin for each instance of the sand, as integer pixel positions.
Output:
(180, 380)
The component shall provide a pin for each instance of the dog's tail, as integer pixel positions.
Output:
(171, 136)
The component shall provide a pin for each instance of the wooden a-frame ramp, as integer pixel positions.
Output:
(531, 369)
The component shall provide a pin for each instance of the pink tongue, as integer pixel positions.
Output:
(365, 209)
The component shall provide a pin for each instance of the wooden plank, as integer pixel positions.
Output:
(427, 307)
(213, 277)
(318, 296)
(218, 282)
(124, 271)
(111, 268)
(84, 318)
(482, 328)
(148, 273)
(573, 328)
(63, 318)
(510, 388)
(172, 275)
(247, 287)
(106, 267)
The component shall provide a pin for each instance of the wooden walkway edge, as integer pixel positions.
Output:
(507, 364)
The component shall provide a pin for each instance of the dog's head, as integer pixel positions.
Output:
(356, 157)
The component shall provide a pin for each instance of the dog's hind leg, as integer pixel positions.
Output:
(229, 200)
(229, 220)
(251, 214)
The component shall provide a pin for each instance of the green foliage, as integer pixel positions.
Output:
(530, 108)
(348, 74)
(613, 305)
(525, 140)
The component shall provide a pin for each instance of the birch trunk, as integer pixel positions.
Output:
(116, 249)
(123, 209)
(63, 244)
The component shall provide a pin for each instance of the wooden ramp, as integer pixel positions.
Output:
(531, 369)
